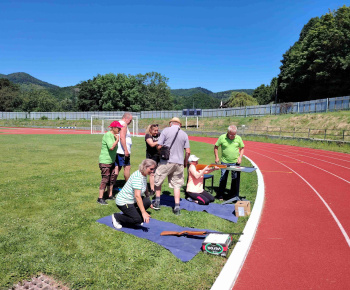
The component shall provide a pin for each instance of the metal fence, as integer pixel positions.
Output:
(315, 106)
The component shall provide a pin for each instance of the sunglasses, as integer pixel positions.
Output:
(154, 125)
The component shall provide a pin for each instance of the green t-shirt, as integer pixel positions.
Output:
(229, 148)
(107, 156)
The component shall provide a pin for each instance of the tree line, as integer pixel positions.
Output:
(15, 99)
(109, 92)
(317, 65)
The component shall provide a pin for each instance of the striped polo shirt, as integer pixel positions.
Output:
(127, 195)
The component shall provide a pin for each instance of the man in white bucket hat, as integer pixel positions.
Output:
(173, 168)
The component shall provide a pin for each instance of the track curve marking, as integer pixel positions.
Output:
(347, 239)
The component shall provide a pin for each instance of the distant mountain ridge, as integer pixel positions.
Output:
(197, 90)
(190, 92)
(26, 80)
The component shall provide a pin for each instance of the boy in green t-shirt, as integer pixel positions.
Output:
(232, 148)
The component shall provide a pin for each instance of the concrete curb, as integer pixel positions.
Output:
(230, 271)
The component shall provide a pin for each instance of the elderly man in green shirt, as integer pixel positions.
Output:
(232, 149)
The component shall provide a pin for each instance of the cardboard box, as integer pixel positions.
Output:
(217, 244)
(242, 208)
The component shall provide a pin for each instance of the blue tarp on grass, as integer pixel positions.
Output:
(183, 247)
(226, 211)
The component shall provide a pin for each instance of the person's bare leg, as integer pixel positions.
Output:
(101, 192)
(116, 172)
(177, 195)
(158, 190)
(151, 181)
(110, 190)
(126, 172)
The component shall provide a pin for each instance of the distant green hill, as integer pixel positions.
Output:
(190, 92)
(219, 95)
(22, 78)
(227, 94)
(27, 82)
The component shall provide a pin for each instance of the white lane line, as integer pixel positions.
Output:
(346, 236)
(233, 266)
(308, 164)
(315, 159)
(323, 153)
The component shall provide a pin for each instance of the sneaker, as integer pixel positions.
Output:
(156, 205)
(232, 200)
(115, 223)
(111, 197)
(189, 199)
(102, 201)
(177, 211)
(235, 199)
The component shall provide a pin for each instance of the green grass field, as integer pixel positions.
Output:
(48, 188)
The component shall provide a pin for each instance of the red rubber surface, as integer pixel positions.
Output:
(299, 244)
(31, 131)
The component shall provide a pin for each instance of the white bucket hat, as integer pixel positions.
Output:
(193, 158)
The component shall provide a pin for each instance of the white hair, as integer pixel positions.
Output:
(127, 115)
(232, 128)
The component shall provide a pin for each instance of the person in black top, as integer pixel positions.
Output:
(151, 139)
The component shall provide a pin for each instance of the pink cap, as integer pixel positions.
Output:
(115, 124)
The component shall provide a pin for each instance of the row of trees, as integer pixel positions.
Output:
(317, 65)
(241, 99)
(110, 92)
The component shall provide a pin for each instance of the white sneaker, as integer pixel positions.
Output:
(115, 223)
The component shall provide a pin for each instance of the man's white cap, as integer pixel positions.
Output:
(193, 158)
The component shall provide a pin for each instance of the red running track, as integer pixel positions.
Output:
(302, 241)
(40, 131)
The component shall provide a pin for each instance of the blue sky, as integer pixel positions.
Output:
(218, 45)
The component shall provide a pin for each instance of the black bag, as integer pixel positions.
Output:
(165, 150)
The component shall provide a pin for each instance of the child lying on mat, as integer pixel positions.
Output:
(131, 200)
(195, 182)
